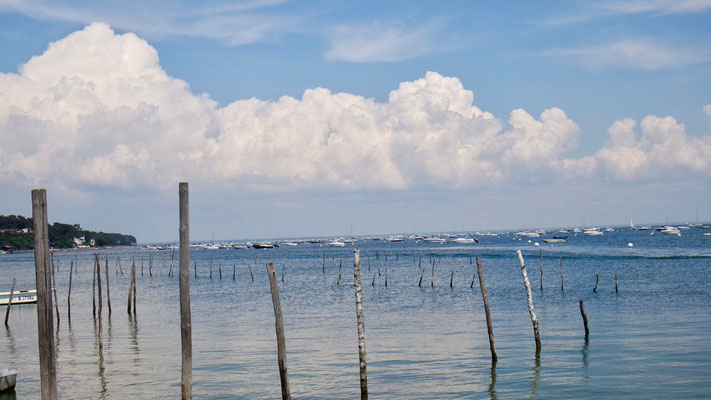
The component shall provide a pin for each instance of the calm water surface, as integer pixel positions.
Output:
(650, 340)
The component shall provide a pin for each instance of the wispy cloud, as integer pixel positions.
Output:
(382, 41)
(234, 23)
(640, 53)
(655, 6)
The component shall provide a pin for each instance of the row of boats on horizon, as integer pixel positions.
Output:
(441, 238)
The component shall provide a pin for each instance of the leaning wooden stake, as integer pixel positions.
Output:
(45, 319)
(489, 326)
(562, 287)
(585, 318)
(531, 311)
(281, 341)
(69, 293)
(361, 326)
(616, 288)
(108, 291)
(9, 301)
(597, 279)
(451, 279)
(250, 272)
(186, 383)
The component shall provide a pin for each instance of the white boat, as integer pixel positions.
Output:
(337, 243)
(555, 240)
(8, 378)
(593, 232)
(464, 240)
(670, 230)
(396, 239)
(434, 240)
(529, 234)
(19, 297)
(290, 244)
(609, 229)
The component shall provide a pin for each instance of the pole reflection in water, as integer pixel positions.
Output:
(133, 332)
(492, 385)
(584, 353)
(10, 341)
(536, 376)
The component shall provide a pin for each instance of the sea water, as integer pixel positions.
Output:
(649, 340)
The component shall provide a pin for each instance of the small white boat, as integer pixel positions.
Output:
(464, 240)
(670, 230)
(433, 240)
(19, 297)
(337, 243)
(290, 244)
(396, 239)
(555, 240)
(8, 379)
(593, 232)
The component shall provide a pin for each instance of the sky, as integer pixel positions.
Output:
(330, 118)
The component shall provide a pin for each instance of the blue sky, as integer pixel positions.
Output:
(365, 117)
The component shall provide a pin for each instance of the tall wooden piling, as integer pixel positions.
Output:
(585, 318)
(69, 293)
(234, 272)
(433, 273)
(150, 264)
(93, 291)
(451, 279)
(108, 291)
(361, 326)
(133, 279)
(541, 258)
(616, 288)
(97, 266)
(250, 272)
(489, 326)
(562, 286)
(386, 276)
(130, 296)
(531, 311)
(323, 263)
(9, 301)
(54, 290)
(597, 280)
(186, 383)
(422, 274)
(281, 340)
(45, 319)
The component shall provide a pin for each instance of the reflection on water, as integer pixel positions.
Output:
(133, 333)
(536, 376)
(10, 341)
(584, 353)
(492, 385)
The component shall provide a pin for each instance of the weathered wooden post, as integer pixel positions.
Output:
(451, 279)
(541, 258)
(133, 278)
(433, 273)
(323, 263)
(54, 288)
(195, 268)
(234, 272)
(250, 272)
(585, 319)
(186, 383)
(489, 326)
(422, 274)
(69, 293)
(9, 301)
(597, 280)
(101, 303)
(386, 276)
(531, 311)
(616, 288)
(219, 269)
(150, 264)
(361, 326)
(562, 287)
(45, 319)
(108, 291)
(279, 324)
(93, 291)
(210, 266)
(340, 264)
(130, 295)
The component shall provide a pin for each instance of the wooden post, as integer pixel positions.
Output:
(281, 341)
(234, 272)
(373, 283)
(489, 326)
(250, 272)
(585, 318)
(433, 273)
(100, 301)
(69, 293)
(531, 311)
(219, 268)
(471, 286)
(195, 268)
(108, 291)
(616, 288)
(386, 276)
(597, 279)
(323, 263)
(54, 290)
(211, 266)
(9, 301)
(340, 264)
(172, 258)
(45, 320)
(186, 383)
(133, 279)
(141, 267)
(93, 291)
(562, 287)
(451, 279)
(422, 274)
(130, 295)
(150, 264)
(361, 326)
(541, 257)
(283, 272)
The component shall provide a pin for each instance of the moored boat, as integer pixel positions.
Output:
(19, 297)
(555, 240)
(8, 379)
(464, 240)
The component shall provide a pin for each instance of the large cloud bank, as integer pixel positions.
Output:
(97, 109)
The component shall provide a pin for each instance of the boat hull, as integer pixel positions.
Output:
(19, 297)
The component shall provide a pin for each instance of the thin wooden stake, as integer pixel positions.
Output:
(100, 301)
(93, 292)
(234, 272)
(283, 272)
(373, 283)
(133, 279)
(150, 264)
(361, 326)
(597, 279)
(386, 276)
(108, 291)
(250, 272)
(433, 273)
(541, 258)
(54, 290)
(219, 269)
(130, 295)
(186, 381)
(211, 267)
(585, 319)
(485, 297)
(69, 293)
(9, 301)
(323, 263)
(531, 311)
(279, 324)
(141, 267)
(562, 286)
(451, 279)
(616, 288)
(45, 319)
(422, 274)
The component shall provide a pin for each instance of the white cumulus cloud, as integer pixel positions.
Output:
(707, 109)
